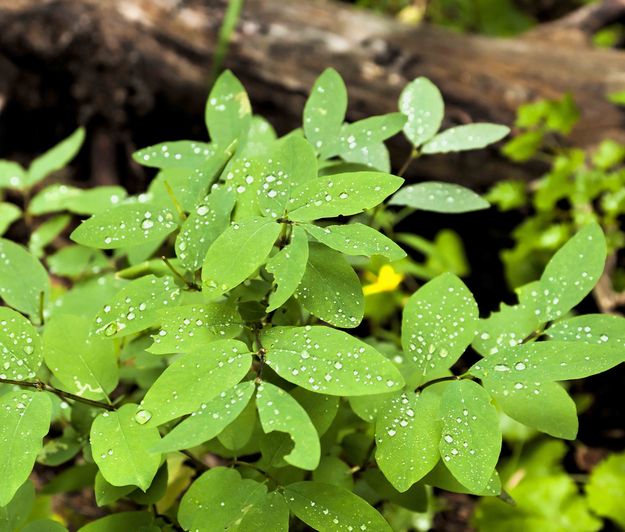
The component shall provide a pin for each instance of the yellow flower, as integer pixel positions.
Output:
(387, 280)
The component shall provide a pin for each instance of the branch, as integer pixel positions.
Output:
(43, 387)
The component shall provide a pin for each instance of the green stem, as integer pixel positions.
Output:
(43, 387)
(414, 154)
(230, 20)
(423, 386)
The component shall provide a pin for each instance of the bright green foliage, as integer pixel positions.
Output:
(471, 440)
(330, 289)
(408, 431)
(325, 111)
(288, 267)
(56, 158)
(439, 197)
(467, 137)
(127, 225)
(356, 239)
(24, 421)
(120, 446)
(206, 372)
(333, 509)
(209, 420)
(20, 346)
(189, 327)
(238, 252)
(199, 324)
(325, 360)
(228, 111)
(136, 307)
(422, 103)
(606, 489)
(85, 365)
(220, 499)
(278, 411)
(438, 324)
(24, 281)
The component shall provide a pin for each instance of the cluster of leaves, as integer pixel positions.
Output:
(580, 187)
(215, 387)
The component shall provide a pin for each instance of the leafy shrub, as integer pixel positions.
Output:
(216, 386)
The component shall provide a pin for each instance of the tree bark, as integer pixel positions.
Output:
(139, 68)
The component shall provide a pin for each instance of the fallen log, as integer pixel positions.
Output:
(135, 71)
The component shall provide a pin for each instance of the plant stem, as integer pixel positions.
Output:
(419, 389)
(178, 274)
(228, 24)
(414, 154)
(43, 387)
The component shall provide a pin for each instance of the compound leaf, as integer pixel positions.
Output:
(465, 137)
(55, 158)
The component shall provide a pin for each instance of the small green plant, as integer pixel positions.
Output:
(204, 373)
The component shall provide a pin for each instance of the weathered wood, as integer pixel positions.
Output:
(125, 61)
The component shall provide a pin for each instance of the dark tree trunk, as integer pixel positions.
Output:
(137, 70)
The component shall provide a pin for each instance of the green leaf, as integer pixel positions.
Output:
(60, 450)
(328, 508)
(44, 525)
(120, 443)
(15, 513)
(322, 409)
(20, 346)
(465, 137)
(139, 521)
(572, 272)
(237, 435)
(237, 254)
(325, 360)
(53, 198)
(218, 500)
(548, 361)
(439, 197)
(439, 323)
(105, 493)
(86, 365)
(408, 431)
(176, 154)
(606, 489)
(189, 327)
(333, 470)
(209, 219)
(422, 103)
(278, 411)
(208, 421)
(23, 279)
(330, 289)
(124, 226)
(24, 421)
(270, 514)
(46, 233)
(362, 141)
(290, 164)
(507, 327)
(76, 261)
(600, 329)
(12, 175)
(356, 239)
(205, 373)
(136, 306)
(8, 214)
(544, 406)
(324, 111)
(96, 200)
(56, 158)
(441, 477)
(341, 194)
(471, 438)
(228, 110)
(288, 267)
